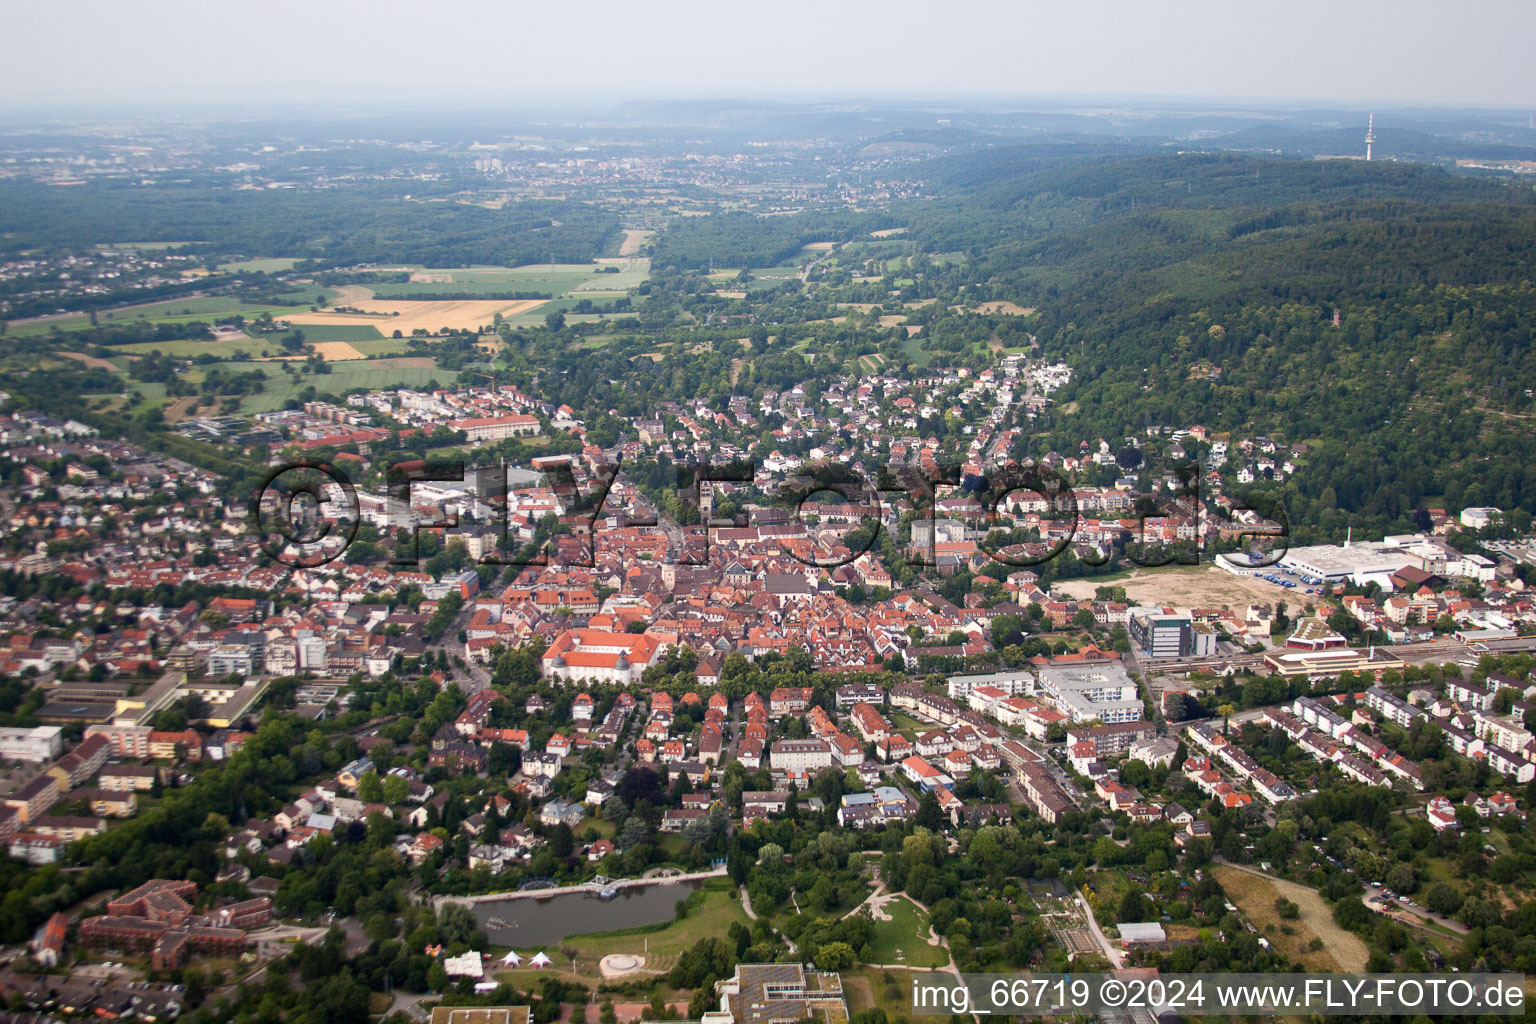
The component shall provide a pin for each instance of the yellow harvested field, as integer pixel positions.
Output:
(1006, 308)
(819, 246)
(1255, 896)
(430, 316)
(336, 351)
(1195, 586)
(887, 233)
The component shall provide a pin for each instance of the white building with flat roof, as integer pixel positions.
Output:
(1089, 690)
(34, 743)
(1355, 563)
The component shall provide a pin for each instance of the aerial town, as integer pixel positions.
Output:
(736, 562)
(633, 702)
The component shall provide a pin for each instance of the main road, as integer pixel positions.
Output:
(1447, 649)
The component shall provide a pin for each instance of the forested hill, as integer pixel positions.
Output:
(747, 240)
(367, 224)
(1420, 396)
(1017, 193)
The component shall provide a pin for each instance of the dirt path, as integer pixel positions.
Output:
(874, 902)
(1113, 955)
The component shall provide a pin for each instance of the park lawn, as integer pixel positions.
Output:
(908, 725)
(712, 918)
(904, 938)
(605, 829)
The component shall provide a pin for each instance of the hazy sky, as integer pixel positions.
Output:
(517, 54)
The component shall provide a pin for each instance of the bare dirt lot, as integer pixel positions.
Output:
(427, 315)
(1202, 586)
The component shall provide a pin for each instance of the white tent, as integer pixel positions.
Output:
(465, 966)
(539, 960)
(511, 959)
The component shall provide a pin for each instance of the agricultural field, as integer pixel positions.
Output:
(555, 279)
(406, 316)
(144, 246)
(205, 308)
(271, 265)
(224, 348)
(354, 333)
(377, 346)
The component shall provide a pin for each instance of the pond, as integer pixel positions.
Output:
(527, 923)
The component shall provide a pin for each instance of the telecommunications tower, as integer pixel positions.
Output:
(1370, 136)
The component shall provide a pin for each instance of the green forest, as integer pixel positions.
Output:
(363, 224)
